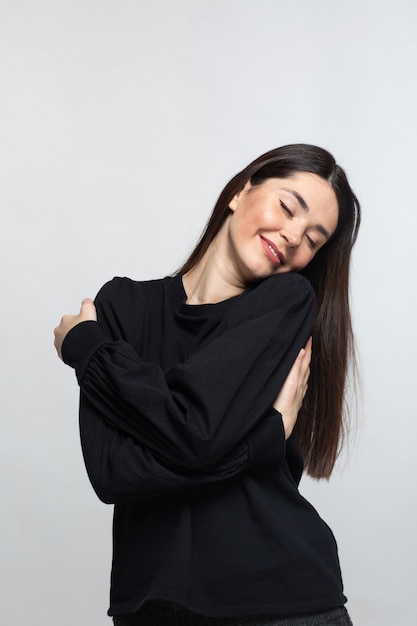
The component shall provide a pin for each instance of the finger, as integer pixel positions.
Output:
(300, 356)
(308, 349)
(305, 369)
(294, 373)
(57, 341)
(305, 366)
(88, 310)
(58, 349)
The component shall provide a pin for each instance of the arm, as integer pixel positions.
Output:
(195, 414)
(121, 469)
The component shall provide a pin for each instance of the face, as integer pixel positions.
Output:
(279, 225)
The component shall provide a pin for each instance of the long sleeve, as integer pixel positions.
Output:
(121, 469)
(195, 414)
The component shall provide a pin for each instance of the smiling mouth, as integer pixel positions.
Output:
(272, 251)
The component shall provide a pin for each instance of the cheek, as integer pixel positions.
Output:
(301, 260)
(242, 224)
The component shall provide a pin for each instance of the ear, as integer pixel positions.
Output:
(234, 202)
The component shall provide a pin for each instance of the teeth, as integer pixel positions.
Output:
(272, 250)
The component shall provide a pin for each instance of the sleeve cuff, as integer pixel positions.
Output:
(80, 344)
(266, 442)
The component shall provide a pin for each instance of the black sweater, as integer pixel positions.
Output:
(178, 432)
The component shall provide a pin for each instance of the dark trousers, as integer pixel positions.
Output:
(171, 614)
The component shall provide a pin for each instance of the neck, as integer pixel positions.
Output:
(211, 280)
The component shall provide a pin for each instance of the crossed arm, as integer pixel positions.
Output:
(128, 456)
(288, 401)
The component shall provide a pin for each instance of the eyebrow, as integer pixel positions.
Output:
(305, 207)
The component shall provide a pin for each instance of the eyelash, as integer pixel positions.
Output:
(311, 242)
(286, 208)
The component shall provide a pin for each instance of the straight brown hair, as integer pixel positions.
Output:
(322, 421)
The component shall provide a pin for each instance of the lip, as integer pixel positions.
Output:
(277, 258)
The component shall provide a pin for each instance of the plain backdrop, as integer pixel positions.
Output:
(120, 122)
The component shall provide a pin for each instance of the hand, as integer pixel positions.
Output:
(87, 313)
(291, 396)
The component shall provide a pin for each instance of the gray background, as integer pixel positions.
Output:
(120, 122)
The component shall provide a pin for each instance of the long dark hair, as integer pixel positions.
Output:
(322, 420)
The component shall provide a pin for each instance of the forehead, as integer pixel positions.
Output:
(313, 185)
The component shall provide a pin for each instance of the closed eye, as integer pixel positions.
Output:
(311, 242)
(286, 208)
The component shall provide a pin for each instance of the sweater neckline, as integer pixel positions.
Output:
(198, 310)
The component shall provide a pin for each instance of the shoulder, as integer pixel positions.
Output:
(282, 294)
(276, 292)
(283, 287)
(122, 304)
(123, 290)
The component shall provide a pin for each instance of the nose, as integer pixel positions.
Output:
(292, 234)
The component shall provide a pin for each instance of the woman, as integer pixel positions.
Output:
(190, 390)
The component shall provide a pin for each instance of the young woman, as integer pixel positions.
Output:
(190, 390)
